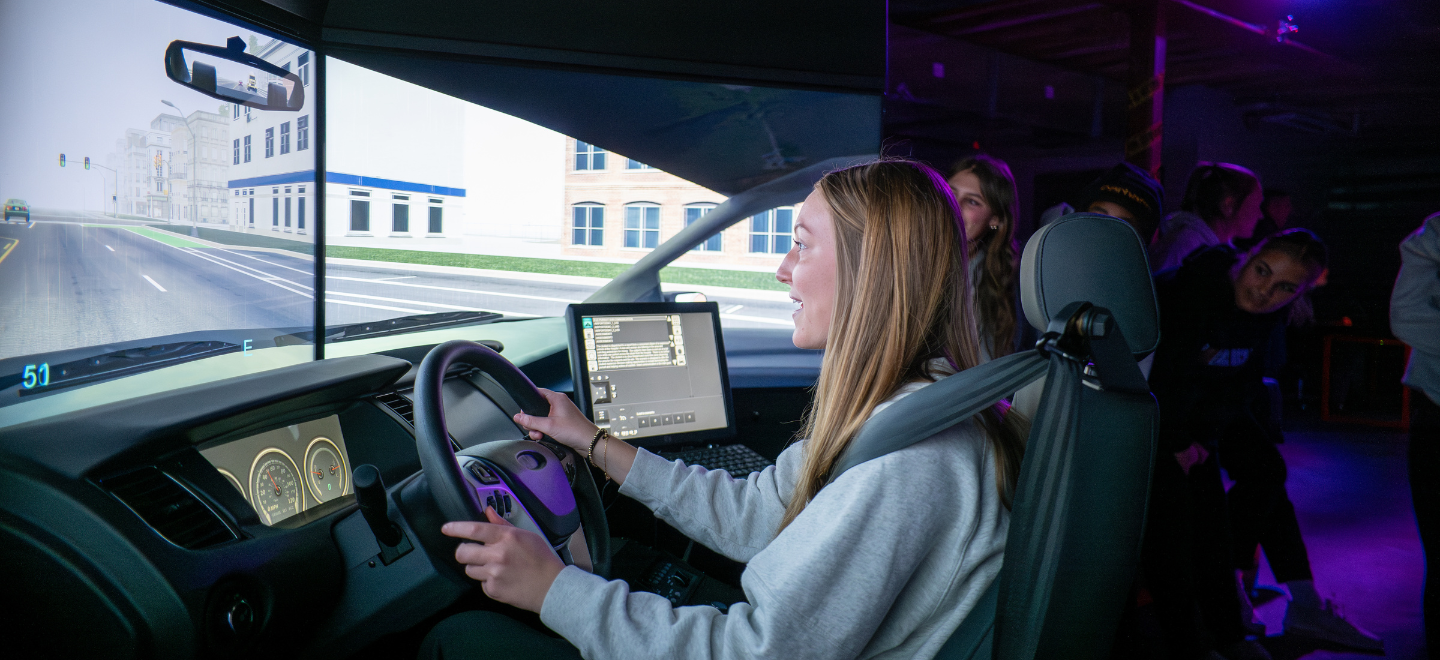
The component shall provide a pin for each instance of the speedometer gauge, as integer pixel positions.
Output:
(275, 486)
(325, 470)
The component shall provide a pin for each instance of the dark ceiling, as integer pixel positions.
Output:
(1372, 66)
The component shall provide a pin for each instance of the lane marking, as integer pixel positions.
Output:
(403, 300)
(107, 247)
(8, 248)
(157, 285)
(402, 277)
(263, 276)
(731, 310)
(758, 319)
(451, 288)
(241, 254)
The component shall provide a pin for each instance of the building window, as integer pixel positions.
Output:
(285, 138)
(632, 164)
(401, 222)
(302, 133)
(247, 148)
(300, 212)
(589, 156)
(694, 212)
(589, 225)
(304, 64)
(270, 142)
(770, 231)
(359, 211)
(236, 106)
(642, 225)
(287, 212)
(274, 212)
(248, 117)
(436, 220)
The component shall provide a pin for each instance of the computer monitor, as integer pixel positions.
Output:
(652, 373)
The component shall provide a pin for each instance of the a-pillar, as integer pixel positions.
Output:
(1145, 128)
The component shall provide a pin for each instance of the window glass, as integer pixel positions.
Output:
(770, 232)
(151, 246)
(694, 212)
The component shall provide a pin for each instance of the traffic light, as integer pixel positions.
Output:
(87, 162)
(62, 160)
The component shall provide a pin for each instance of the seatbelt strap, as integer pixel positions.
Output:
(939, 406)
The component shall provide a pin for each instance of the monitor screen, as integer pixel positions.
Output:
(652, 373)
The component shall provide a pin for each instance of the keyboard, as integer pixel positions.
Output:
(738, 460)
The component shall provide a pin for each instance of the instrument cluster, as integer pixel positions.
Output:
(287, 470)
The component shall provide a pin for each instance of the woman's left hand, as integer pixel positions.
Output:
(513, 566)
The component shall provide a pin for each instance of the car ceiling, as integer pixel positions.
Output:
(727, 95)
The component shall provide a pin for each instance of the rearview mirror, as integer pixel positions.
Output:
(230, 74)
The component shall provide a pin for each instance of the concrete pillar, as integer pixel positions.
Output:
(1146, 85)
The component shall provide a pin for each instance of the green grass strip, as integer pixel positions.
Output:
(241, 240)
(673, 274)
(163, 237)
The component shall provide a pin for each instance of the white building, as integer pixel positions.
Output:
(200, 185)
(144, 166)
(396, 160)
(272, 166)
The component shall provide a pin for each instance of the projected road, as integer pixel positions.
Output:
(67, 283)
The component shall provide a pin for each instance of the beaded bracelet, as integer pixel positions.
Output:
(590, 455)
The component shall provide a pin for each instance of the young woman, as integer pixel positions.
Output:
(985, 190)
(1218, 312)
(888, 559)
(1222, 203)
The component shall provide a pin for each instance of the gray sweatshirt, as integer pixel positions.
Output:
(884, 563)
(1415, 306)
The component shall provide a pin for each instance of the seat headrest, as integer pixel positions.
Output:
(1092, 258)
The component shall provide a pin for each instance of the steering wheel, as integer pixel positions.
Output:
(552, 485)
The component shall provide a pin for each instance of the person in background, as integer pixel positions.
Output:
(1276, 210)
(1128, 193)
(1415, 320)
(1218, 311)
(1222, 203)
(985, 190)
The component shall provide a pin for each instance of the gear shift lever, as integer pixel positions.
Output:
(370, 491)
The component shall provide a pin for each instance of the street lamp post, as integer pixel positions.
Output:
(193, 165)
(117, 187)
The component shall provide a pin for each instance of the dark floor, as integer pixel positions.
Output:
(1352, 497)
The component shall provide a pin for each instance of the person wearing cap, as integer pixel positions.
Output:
(1128, 193)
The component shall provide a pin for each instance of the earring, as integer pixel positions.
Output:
(994, 227)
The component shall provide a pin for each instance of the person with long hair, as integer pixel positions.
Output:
(1218, 311)
(985, 190)
(1221, 204)
(886, 560)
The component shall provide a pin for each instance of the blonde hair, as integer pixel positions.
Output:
(902, 299)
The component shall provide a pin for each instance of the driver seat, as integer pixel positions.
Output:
(1073, 546)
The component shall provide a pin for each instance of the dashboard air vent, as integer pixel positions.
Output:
(400, 405)
(169, 509)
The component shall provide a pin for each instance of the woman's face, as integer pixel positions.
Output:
(1270, 281)
(809, 269)
(974, 209)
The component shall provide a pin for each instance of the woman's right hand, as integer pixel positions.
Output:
(565, 423)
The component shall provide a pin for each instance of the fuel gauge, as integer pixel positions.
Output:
(325, 470)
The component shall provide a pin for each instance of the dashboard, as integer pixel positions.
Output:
(287, 470)
(155, 523)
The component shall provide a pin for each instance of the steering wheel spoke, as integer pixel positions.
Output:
(540, 485)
